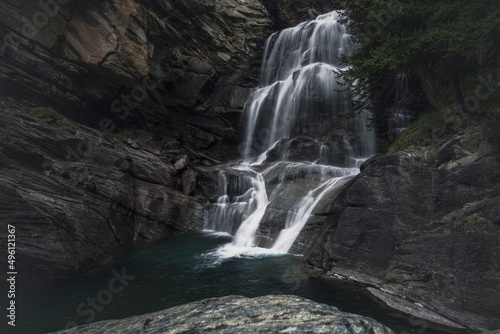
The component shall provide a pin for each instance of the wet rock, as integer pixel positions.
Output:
(236, 314)
(216, 181)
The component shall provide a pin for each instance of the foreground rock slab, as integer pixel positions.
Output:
(237, 314)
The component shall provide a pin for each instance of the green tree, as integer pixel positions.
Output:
(441, 43)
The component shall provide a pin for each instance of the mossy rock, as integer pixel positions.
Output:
(420, 132)
(52, 117)
(122, 134)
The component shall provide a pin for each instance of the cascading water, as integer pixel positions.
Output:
(298, 73)
(299, 217)
(298, 149)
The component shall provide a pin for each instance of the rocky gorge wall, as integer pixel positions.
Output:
(138, 92)
(423, 225)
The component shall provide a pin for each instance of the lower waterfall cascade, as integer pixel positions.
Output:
(298, 149)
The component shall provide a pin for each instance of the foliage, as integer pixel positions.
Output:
(451, 37)
(51, 116)
(421, 130)
(121, 135)
(47, 114)
(72, 177)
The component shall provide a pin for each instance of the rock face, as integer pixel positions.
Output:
(235, 314)
(74, 196)
(149, 88)
(156, 65)
(179, 67)
(286, 13)
(423, 224)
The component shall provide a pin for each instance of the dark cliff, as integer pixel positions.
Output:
(423, 224)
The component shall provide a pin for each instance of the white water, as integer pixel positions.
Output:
(258, 199)
(299, 84)
(300, 66)
(299, 217)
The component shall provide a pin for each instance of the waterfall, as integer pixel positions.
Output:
(299, 72)
(298, 149)
(401, 117)
(300, 216)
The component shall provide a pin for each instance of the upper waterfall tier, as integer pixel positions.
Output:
(322, 40)
(300, 83)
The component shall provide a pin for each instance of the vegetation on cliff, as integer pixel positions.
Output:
(51, 116)
(448, 49)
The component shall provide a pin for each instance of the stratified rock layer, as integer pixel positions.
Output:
(179, 67)
(236, 314)
(75, 196)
